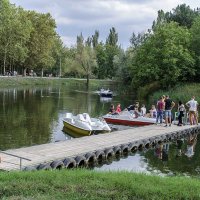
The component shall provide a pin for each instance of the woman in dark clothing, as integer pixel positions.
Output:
(112, 110)
(181, 110)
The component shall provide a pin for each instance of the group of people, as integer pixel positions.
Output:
(163, 110)
(113, 111)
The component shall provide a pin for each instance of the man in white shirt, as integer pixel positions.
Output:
(192, 104)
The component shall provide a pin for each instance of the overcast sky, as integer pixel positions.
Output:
(86, 16)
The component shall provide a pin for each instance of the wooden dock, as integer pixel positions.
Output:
(46, 153)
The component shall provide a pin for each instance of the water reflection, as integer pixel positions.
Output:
(191, 143)
(33, 115)
(105, 99)
(179, 157)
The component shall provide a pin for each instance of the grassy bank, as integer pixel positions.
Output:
(181, 92)
(83, 184)
(32, 81)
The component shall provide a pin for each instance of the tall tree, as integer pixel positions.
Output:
(95, 39)
(112, 49)
(182, 14)
(14, 33)
(101, 71)
(41, 41)
(195, 44)
(85, 57)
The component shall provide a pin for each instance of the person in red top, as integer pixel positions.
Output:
(160, 109)
(118, 109)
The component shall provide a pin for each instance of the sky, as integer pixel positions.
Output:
(85, 16)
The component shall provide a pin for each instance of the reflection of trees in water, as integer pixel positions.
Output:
(25, 117)
(179, 158)
(28, 115)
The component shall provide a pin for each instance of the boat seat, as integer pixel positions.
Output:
(87, 118)
(69, 115)
(81, 117)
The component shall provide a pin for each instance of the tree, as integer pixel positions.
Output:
(164, 57)
(137, 40)
(195, 44)
(59, 54)
(85, 57)
(182, 14)
(14, 33)
(41, 41)
(95, 39)
(100, 70)
(111, 50)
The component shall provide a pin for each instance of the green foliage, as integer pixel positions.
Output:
(94, 59)
(100, 71)
(182, 14)
(164, 57)
(14, 33)
(42, 40)
(27, 39)
(195, 44)
(182, 92)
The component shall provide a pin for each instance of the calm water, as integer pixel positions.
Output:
(32, 116)
(180, 157)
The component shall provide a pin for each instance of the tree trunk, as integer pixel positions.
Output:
(88, 79)
(4, 62)
(24, 71)
(42, 73)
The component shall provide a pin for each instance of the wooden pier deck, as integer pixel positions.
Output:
(46, 153)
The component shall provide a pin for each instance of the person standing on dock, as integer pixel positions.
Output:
(160, 109)
(169, 104)
(192, 104)
(181, 110)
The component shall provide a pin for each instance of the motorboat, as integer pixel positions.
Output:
(82, 124)
(129, 119)
(105, 93)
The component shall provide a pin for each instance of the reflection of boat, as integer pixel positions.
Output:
(105, 93)
(105, 99)
(84, 125)
(127, 118)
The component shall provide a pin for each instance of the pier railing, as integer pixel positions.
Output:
(20, 158)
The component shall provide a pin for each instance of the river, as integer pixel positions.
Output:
(33, 115)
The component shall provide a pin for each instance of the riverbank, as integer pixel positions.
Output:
(14, 81)
(85, 184)
(181, 92)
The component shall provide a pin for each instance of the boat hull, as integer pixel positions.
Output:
(108, 95)
(77, 130)
(127, 122)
